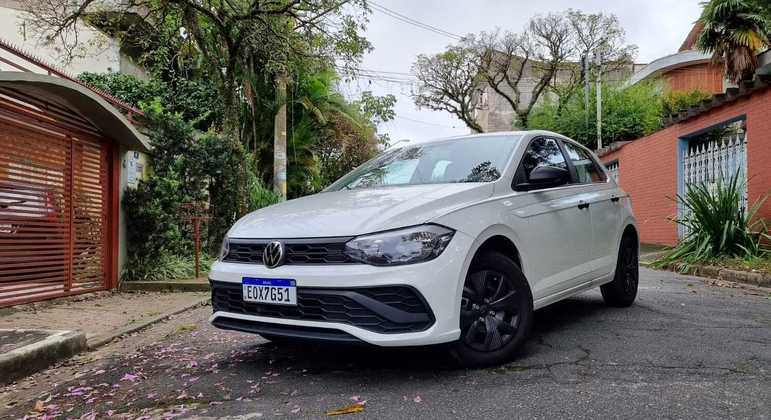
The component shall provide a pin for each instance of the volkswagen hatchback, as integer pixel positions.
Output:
(450, 241)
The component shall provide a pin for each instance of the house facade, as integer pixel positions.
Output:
(724, 136)
(686, 70)
(67, 154)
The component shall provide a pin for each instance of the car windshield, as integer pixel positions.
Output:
(473, 159)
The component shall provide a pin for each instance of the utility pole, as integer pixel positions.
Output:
(279, 137)
(585, 76)
(598, 60)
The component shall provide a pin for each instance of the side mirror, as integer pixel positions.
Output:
(544, 177)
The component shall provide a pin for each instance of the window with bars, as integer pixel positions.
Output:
(612, 168)
(714, 157)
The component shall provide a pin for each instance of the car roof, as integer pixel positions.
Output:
(517, 134)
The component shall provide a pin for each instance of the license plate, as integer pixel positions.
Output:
(274, 291)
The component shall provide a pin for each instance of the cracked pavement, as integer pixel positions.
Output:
(685, 349)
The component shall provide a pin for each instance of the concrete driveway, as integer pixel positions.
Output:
(685, 349)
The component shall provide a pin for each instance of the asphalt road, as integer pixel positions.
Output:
(686, 349)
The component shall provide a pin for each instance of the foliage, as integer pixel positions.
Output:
(195, 101)
(329, 135)
(674, 102)
(163, 267)
(628, 113)
(377, 110)
(735, 31)
(188, 166)
(225, 42)
(717, 226)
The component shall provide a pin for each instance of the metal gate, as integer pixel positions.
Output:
(713, 158)
(54, 211)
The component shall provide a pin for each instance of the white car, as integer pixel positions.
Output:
(451, 241)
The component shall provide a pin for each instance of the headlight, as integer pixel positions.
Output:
(224, 249)
(403, 246)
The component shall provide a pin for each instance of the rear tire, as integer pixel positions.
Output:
(622, 291)
(496, 312)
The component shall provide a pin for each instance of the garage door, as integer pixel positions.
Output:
(53, 213)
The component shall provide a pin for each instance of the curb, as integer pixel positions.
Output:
(164, 286)
(724, 274)
(97, 342)
(37, 356)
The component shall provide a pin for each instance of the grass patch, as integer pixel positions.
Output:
(164, 268)
(761, 264)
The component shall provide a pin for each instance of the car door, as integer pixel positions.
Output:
(602, 197)
(553, 224)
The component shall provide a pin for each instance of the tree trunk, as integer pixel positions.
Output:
(279, 138)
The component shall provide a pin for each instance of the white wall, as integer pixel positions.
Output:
(99, 54)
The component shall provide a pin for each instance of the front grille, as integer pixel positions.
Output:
(298, 251)
(385, 310)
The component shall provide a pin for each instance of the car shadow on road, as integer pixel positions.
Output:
(320, 357)
(567, 313)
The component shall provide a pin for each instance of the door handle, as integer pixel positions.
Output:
(582, 206)
(614, 199)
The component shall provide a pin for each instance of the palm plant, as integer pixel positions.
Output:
(318, 112)
(717, 225)
(734, 31)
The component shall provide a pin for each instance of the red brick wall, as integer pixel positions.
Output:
(648, 166)
(706, 77)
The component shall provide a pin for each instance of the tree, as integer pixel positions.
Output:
(377, 110)
(448, 82)
(230, 39)
(735, 31)
(593, 33)
(521, 67)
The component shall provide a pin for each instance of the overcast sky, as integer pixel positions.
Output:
(657, 27)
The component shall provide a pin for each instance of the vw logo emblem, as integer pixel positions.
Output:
(273, 254)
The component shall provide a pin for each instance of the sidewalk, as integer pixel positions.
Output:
(103, 316)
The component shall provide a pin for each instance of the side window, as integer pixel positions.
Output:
(587, 170)
(541, 152)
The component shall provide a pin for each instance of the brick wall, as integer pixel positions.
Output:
(648, 166)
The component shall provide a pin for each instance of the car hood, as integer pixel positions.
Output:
(355, 212)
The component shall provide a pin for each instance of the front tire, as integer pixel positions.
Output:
(622, 291)
(496, 312)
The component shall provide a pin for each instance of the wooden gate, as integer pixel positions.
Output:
(54, 206)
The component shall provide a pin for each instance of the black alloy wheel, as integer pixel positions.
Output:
(622, 291)
(496, 312)
(489, 312)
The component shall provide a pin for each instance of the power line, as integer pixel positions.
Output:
(396, 15)
(422, 122)
(381, 78)
(384, 73)
(400, 73)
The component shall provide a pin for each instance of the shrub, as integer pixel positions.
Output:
(163, 267)
(679, 101)
(188, 166)
(717, 226)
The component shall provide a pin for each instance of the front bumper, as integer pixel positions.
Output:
(408, 305)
